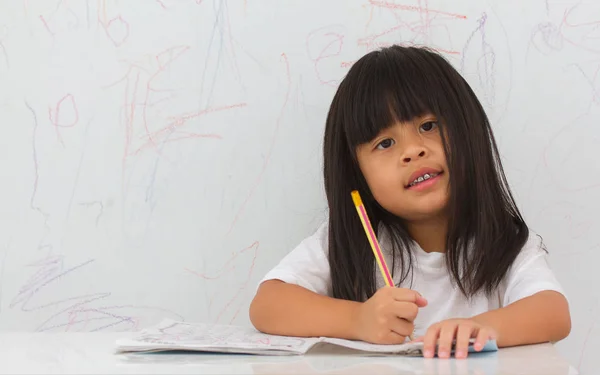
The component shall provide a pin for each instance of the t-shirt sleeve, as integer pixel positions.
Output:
(530, 273)
(307, 265)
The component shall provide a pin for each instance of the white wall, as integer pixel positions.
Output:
(158, 157)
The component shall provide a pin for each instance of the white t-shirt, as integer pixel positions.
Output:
(308, 266)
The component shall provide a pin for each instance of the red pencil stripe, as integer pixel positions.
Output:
(376, 244)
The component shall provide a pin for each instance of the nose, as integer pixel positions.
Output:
(413, 149)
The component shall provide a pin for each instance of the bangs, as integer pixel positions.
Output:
(385, 87)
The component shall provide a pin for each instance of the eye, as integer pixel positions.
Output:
(386, 143)
(428, 126)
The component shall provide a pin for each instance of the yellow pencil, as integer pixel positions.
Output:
(364, 218)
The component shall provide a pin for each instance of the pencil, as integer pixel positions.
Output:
(364, 218)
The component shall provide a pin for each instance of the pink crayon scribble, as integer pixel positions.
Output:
(267, 157)
(228, 268)
(64, 114)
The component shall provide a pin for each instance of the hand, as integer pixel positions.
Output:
(387, 317)
(445, 332)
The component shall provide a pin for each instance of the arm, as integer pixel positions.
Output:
(541, 317)
(290, 310)
(534, 310)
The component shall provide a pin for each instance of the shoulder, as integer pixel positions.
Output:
(307, 265)
(319, 240)
(314, 245)
(533, 249)
(530, 272)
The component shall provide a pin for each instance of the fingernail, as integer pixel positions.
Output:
(428, 354)
(460, 354)
(443, 354)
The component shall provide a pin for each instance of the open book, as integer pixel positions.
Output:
(171, 335)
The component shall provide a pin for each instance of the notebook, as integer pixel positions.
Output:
(172, 335)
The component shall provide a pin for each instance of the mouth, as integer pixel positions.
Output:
(422, 179)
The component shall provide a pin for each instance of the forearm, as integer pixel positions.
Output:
(290, 310)
(539, 318)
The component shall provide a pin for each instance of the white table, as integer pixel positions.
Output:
(93, 353)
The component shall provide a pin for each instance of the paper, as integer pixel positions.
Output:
(172, 335)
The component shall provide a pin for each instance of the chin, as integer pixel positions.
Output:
(424, 210)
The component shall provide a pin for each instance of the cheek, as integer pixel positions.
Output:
(384, 184)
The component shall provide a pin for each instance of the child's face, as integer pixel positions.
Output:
(398, 156)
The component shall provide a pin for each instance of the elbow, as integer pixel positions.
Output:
(259, 311)
(561, 331)
(563, 321)
(256, 314)
(565, 328)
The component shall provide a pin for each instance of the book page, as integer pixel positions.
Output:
(408, 348)
(199, 336)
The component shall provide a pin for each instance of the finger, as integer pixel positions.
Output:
(407, 295)
(419, 339)
(483, 336)
(447, 334)
(429, 340)
(402, 327)
(392, 338)
(405, 310)
(463, 335)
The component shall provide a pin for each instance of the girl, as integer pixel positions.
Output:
(407, 131)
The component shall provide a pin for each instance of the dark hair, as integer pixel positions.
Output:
(397, 84)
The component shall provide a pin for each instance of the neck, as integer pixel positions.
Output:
(430, 234)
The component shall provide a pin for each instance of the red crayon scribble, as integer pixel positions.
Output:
(165, 6)
(55, 116)
(65, 106)
(271, 145)
(166, 133)
(137, 97)
(370, 19)
(412, 8)
(161, 4)
(117, 30)
(180, 120)
(332, 48)
(46, 25)
(229, 267)
(587, 337)
(371, 40)
(586, 27)
(142, 94)
(184, 136)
